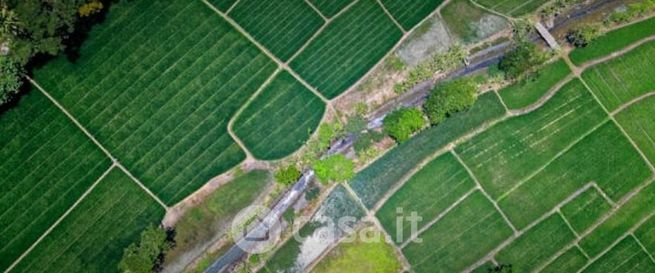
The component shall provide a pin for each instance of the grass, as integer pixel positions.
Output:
(570, 261)
(92, 237)
(613, 41)
(429, 192)
(626, 257)
(347, 48)
(47, 164)
(640, 206)
(514, 8)
(536, 245)
(624, 78)
(605, 157)
(202, 223)
(280, 119)
(282, 26)
(361, 255)
(529, 90)
(485, 268)
(462, 237)
(222, 5)
(637, 120)
(330, 8)
(410, 13)
(465, 20)
(585, 209)
(501, 156)
(646, 235)
(183, 73)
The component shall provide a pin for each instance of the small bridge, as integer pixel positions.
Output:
(543, 31)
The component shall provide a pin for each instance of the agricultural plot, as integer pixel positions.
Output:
(347, 48)
(429, 192)
(626, 257)
(375, 180)
(280, 119)
(470, 23)
(646, 235)
(460, 238)
(622, 79)
(637, 120)
(183, 74)
(222, 5)
(485, 268)
(503, 155)
(613, 41)
(529, 90)
(282, 26)
(330, 8)
(410, 13)
(47, 164)
(92, 237)
(514, 8)
(585, 209)
(570, 261)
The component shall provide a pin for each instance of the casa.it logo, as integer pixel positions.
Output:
(255, 230)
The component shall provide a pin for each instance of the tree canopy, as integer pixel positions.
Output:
(524, 58)
(287, 175)
(449, 98)
(335, 168)
(148, 253)
(401, 124)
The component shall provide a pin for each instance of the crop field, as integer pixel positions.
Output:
(94, 234)
(627, 256)
(469, 22)
(222, 5)
(347, 48)
(614, 41)
(624, 78)
(330, 8)
(282, 26)
(285, 111)
(62, 164)
(638, 122)
(529, 90)
(514, 8)
(569, 261)
(410, 13)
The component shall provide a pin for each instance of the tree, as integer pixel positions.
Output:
(328, 132)
(287, 175)
(334, 168)
(148, 253)
(402, 123)
(10, 79)
(356, 125)
(583, 35)
(524, 58)
(449, 98)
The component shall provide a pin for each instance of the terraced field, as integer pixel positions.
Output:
(514, 8)
(410, 13)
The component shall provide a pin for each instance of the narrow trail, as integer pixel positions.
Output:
(616, 54)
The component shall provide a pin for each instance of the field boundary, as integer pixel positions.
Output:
(61, 218)
(325, 19)
(507, 17)
(632, 102)
(615, 54)
(393, 19)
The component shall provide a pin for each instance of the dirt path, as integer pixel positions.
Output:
(615, 54)
(632, 102)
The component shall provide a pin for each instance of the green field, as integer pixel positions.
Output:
(503, 155)
(638, 122)
(47, 164)
(569, 261)
(646, 235)
(347, 48)
(280, 119)
(330, 8)
(428, 192)
(614, 41)
(92, 237)
(375, 180)
(513, 8)
(410, 13)
(529, 90)
(622, 79)
(282, 26)
(222, 5)
(462, 237)
(585, 209)
(469, 22)
(626, 257)
(165, 115)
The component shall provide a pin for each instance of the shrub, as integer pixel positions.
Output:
(524, 58)
(449, 98)
(356, 125)
(335, 168)
(10, 79)
(148, 254)
(287, 175)
(582, 36)
(328, 132)
(402, 123)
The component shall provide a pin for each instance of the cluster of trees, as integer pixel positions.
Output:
(525, 58)
(583, 35)
(30, 29)
(147, 255)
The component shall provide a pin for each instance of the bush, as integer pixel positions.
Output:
(365, 140)
(328, 132)
(335, 168)
(524, 58)
(449, 98)
(148, 255)
(287, 175)
(401, 124)
(582, 36)
(10, 79)
(356, 125)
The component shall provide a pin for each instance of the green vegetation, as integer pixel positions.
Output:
(583, 35)
(428, 192)
(537, 245)
(410, 13)
(359, 256)
(514, 8)
(47, 164)
(614, 41)
(460, 238)
(585, 209)
(501, 156)
(282, 26)
(451, 59)
(530, 89)
(148, 254)
(92, 237)
(626, 256)
(287, 175)
(633, 10)
(637, 121)
(525, 58)
(10, 80)
(347, 48)
(402, 123)
(280, 119)
(334, 168)
(469, 22)
(374, 181)
(646, 235)
(330, 8)
(449, 98)
(485, 268)
(222, 5)
(571, 261)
